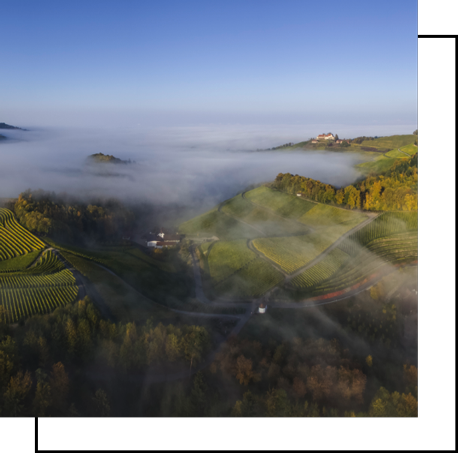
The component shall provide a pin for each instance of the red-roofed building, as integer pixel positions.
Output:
(325, 137)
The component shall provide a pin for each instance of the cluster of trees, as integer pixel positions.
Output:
(35, 355)
(286, 145)
(359, 140)
(307, 378)
(100, 157)
(349, 196)
(59, 216)
(320, 372)
(396, 189)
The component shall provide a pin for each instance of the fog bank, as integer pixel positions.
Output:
(192, 166)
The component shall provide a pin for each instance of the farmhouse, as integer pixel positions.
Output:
(161, 239)
(325, 137)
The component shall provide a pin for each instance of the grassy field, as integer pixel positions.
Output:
(377, 166)
(322, 215)
(284, 204)
(19, 263)
(157, 280)
(410, 149)
(292, 253)
(225, 258)
(124, 303)
(215, 223)
(391, 142)
(266, 221)
(253, 280)
(396, 154)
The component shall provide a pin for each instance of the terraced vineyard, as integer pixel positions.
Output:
(379, 255)
(14, 239)
(284, 204)
(226, 258)
(253, 280)
(25, 302)
(321, 271)
(37, 289)
(387, 224)
(292, 253)
(261, 219)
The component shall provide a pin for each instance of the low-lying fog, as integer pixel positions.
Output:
(194, 166)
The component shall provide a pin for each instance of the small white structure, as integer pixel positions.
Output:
(262, 308)
(299, 195)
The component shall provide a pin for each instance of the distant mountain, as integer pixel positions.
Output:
(106, 158)
(7, 126)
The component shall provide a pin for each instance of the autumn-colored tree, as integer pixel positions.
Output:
(385, 404)
(194, 343)
(299, 387)
(245, 372)
(277, 403)
(59, 383)
(42, 399)
(16, 392)
(369, 360)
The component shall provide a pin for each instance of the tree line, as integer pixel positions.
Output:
(43, 360)
(65, 218)
(395, 189)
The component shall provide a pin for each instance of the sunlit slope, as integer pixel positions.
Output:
(226, 258)
(292, 253)
(264, 220)
(232, 270)
(14, 239)
(215, 223)
(322, 215)
(390, 239)
(391, 142)
(311, 214)
(283, 204)
(39, 289)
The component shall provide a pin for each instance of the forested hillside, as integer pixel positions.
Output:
(60, 216)
(395, 189)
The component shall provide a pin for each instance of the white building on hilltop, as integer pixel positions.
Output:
(325, 137)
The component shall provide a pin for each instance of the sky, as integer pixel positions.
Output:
(205, 62)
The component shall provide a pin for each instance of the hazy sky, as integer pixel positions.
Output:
(200, 62)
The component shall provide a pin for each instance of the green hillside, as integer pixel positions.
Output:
(391, 142)
(273, 230)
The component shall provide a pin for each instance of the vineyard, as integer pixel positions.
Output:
(321, 271)
(284, 204)
(225, 258)
(264, 221)
(292, 253)
(38, 289)
(324, 215)
(370, 261)
(253, 280)
(14, 239)
(385, 225)
(25, 302)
